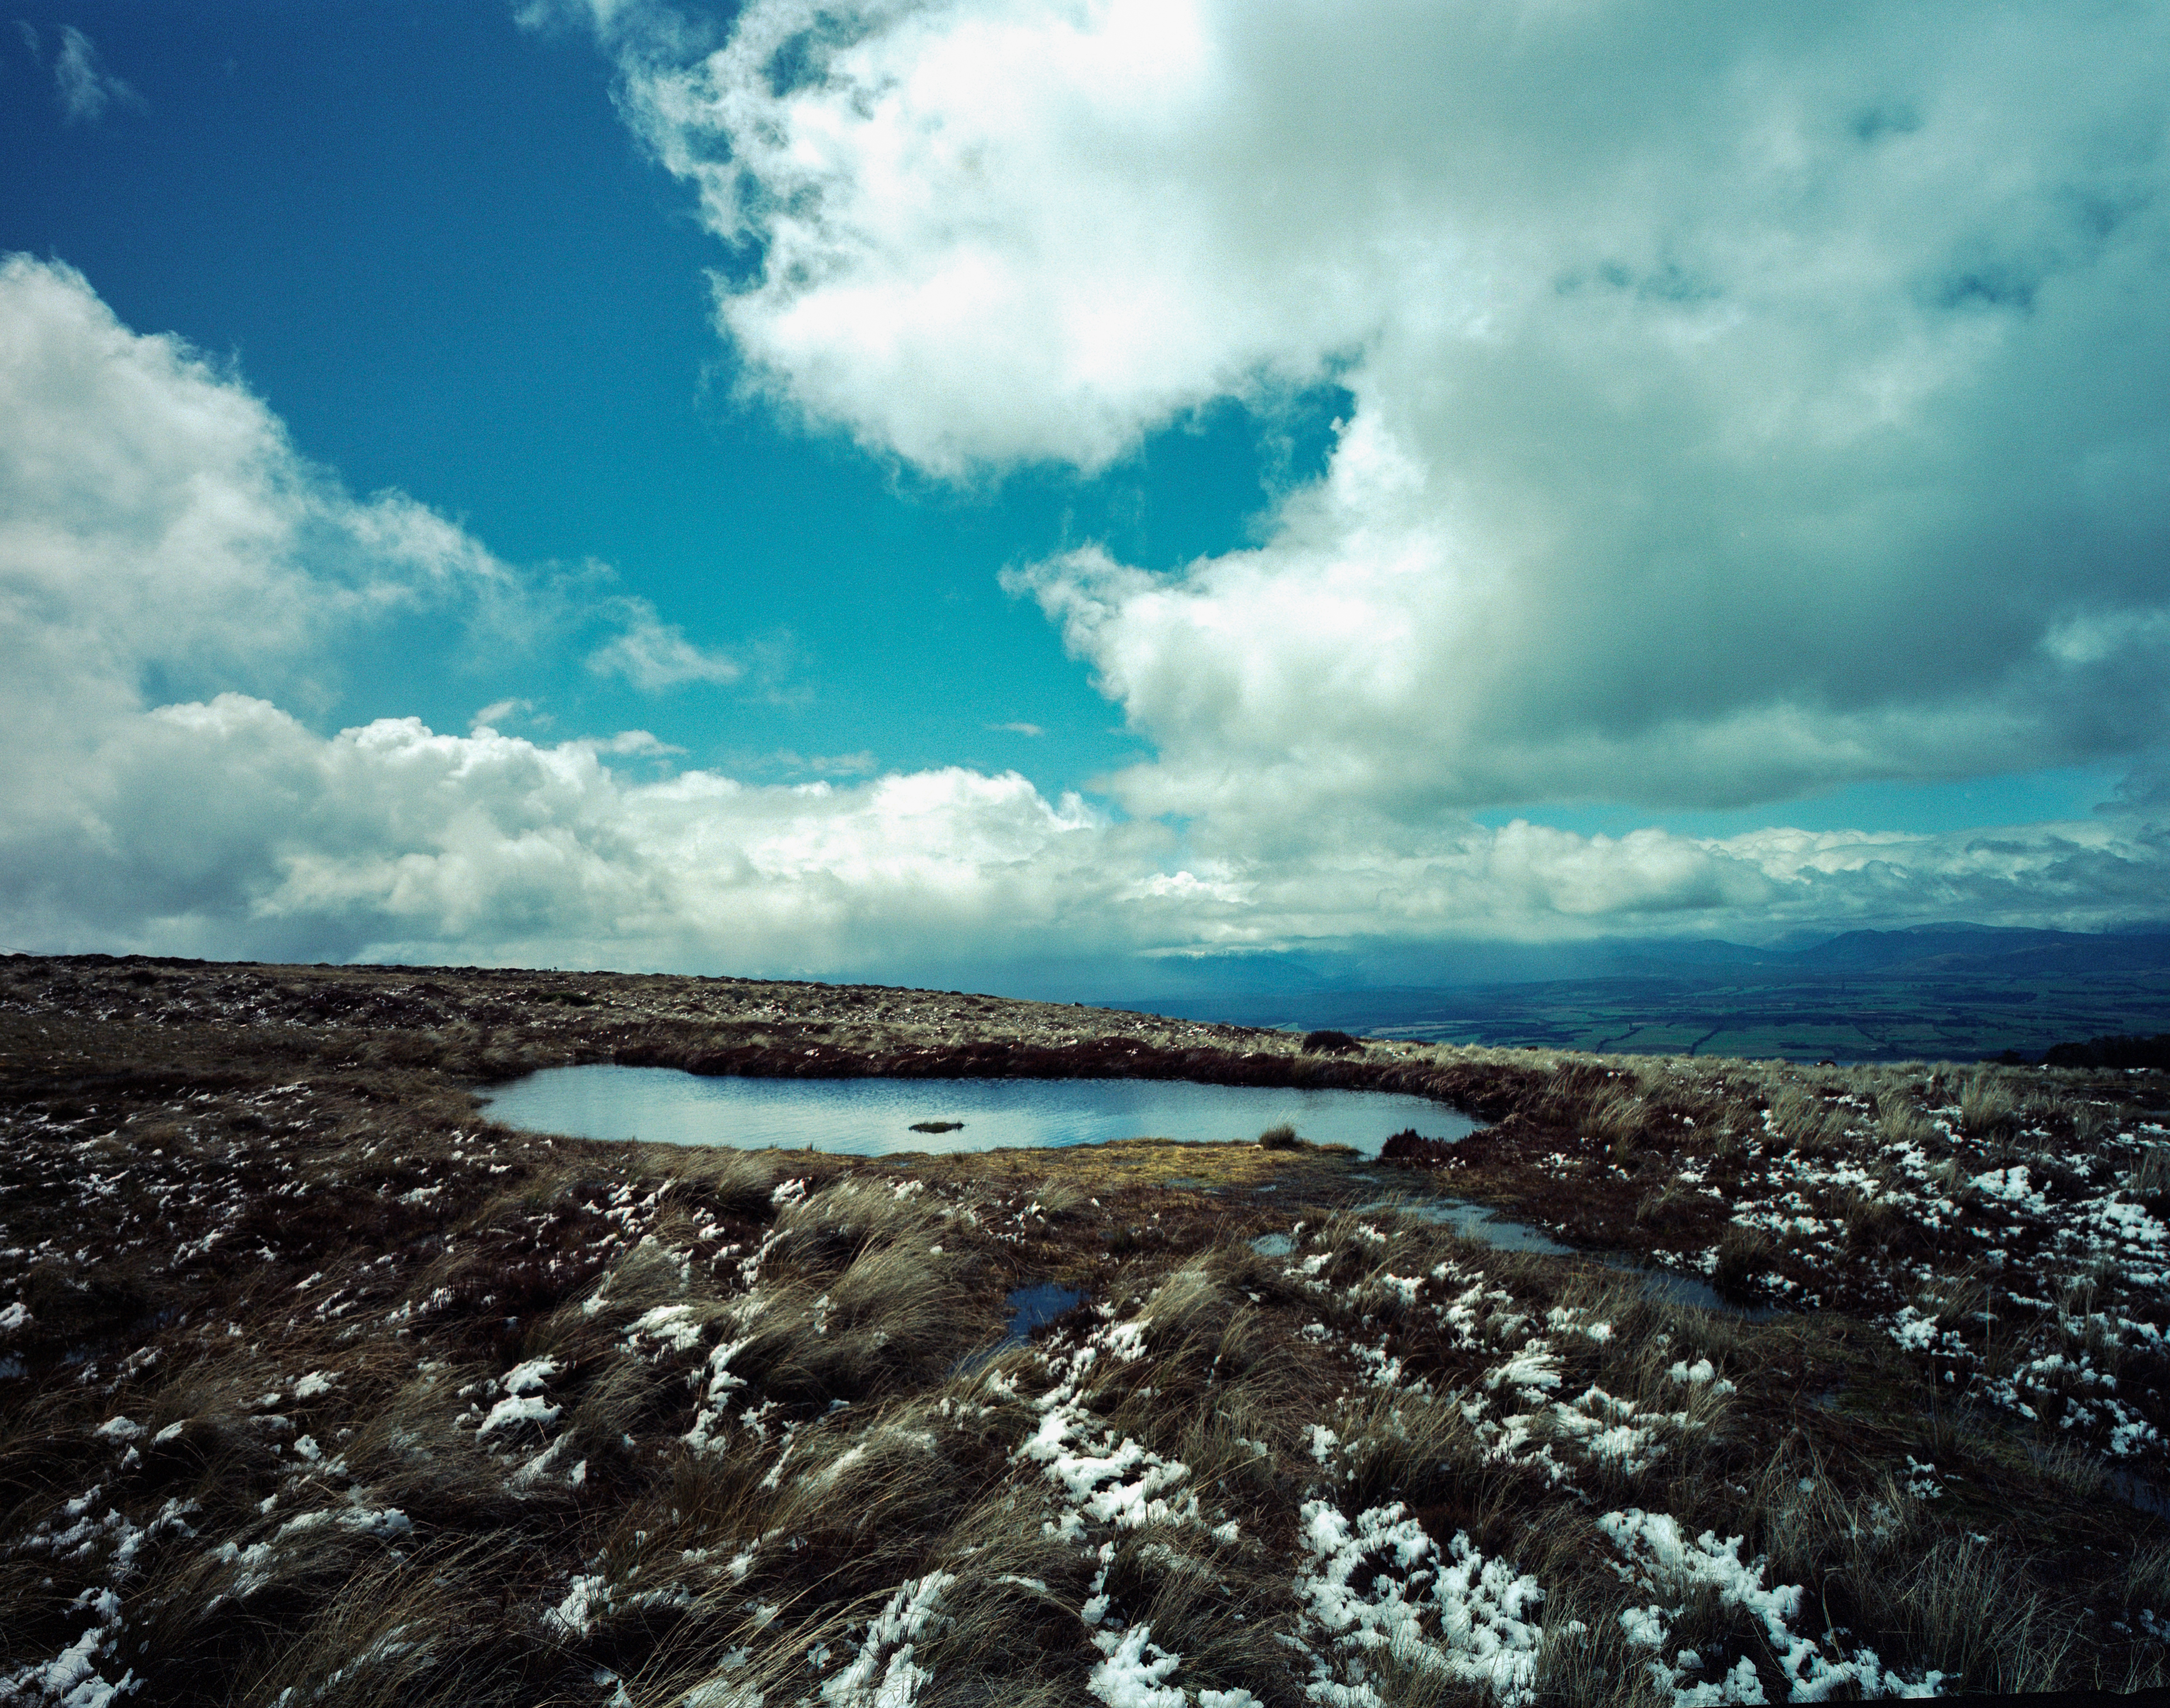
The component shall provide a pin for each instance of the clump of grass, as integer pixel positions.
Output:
(2090, 1121)
(1665, 1205)
(2148, 1176)
(1972, 1606)
(2040, 1105)
(1804, 1122)
(1586, 1659)
(1743, 1256)
(1872, 1218)
(1987, 1108)
(1060, 1199)
(382, 1640)
(1417, 1449)
(2146, 1580)
(1952, 1298)
(1899, 1119)
(1281, 1136)
(1616, 1117)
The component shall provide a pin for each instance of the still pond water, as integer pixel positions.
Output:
(875, 1117)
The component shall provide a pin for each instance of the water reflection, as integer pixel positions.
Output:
(1676, 1288)
(877, 1117)
(1475, 1221)
(1029, 1308)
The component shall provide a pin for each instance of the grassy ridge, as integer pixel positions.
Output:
(320, 1389)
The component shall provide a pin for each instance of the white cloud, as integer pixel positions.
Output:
(227, 827)
(86, 88)
(497, 712)
(158, 530)
(1745, 400)
(229, 822)
(168, 564)
(653, 655)
(162, 541)
(860, 764)
(1018, 729)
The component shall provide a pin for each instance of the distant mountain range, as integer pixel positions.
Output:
(1956, 951)
(1955, 991)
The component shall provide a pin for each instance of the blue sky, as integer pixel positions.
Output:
(425, 236)
(986, 487)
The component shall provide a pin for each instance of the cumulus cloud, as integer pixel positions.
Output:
(169, 563)
(227, 827)
(158, 532)
(860, 764)
(1744, 401)
(228, 822)
(171, 569)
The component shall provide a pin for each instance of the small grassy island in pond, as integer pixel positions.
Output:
(937, 1126)
(317, 1387)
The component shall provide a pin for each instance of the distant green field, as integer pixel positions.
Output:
(1855, 1018)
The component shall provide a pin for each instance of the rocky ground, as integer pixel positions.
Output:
(315, 1386)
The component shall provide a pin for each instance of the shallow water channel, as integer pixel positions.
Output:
(1487, 1227)
(876, 1117)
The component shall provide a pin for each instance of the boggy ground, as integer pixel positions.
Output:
(316, 1387)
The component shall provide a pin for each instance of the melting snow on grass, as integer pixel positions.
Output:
(1457, 1614)
(1660, 1559)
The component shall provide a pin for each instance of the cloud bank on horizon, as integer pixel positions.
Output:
(1735, 406)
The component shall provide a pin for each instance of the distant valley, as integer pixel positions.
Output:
(1944, 992)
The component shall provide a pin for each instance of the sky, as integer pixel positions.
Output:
(1050, 497)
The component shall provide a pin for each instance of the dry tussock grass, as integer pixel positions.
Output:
(1960, 1599)
(2148, 1176)
(1987, 1107)
(919, 1474)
